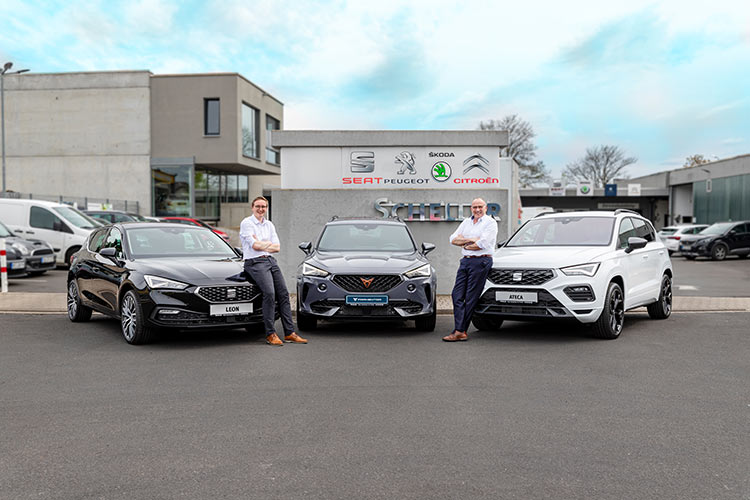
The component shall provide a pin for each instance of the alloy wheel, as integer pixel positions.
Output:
(128, 314)
(72, 301)
(617, 311)
(666, 290)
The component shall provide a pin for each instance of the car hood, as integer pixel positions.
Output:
(196, 271)
(30, 244)
(546, 257)
(696, 237)
(354, 262)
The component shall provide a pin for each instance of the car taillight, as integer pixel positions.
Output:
(674, 238)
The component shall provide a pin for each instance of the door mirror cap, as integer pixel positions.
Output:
(501, 243)
(634, 243)
(306, 247)
(427, 248)
(108, 252)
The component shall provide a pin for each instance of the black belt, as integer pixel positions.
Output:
(260, 257)
(475, 256)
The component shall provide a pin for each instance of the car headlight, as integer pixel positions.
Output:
(703, 242)
(420, 272)
(21, 249)
(308, 270)
(164, 283)
(581, 269)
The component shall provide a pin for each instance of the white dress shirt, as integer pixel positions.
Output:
(485, 229)
(263, 231)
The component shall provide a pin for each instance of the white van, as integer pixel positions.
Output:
(62, 226)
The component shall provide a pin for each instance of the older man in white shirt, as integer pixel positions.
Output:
(259, 241)
(477, 238)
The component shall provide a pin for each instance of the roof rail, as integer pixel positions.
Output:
(625, 211)
(335, 217)
(543, 213)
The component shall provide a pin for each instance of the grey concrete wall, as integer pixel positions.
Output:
(299, 215)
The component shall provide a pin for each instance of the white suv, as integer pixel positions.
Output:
(591, 266)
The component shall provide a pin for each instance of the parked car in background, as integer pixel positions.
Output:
(111, 216)
(38, 256)
(587, 266)
(718, 241)
(64, 227)
(196, 222)
(671, 235)
(159, 275)
(366, 269)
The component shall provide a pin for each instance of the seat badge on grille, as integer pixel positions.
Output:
(231, 293)
(367, 282)
(517, 276)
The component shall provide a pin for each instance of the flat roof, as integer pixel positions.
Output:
(374, 138)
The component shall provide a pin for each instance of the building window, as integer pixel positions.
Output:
(211, 116)
(249, 131)
(172, 186)
(272, 154)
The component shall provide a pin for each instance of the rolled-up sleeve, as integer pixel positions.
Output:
(456, 232)
(488, 238)
(246, 232)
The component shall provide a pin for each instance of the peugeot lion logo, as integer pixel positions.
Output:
(476, 161)
(362, 161)
(406, 159)
(367, 282)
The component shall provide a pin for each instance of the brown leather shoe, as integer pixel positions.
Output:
(274, 339)
(294, 338)
(456, 336)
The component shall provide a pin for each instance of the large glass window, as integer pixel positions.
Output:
(249, 131)
(211, 117)
(172, 190)
(272, 154)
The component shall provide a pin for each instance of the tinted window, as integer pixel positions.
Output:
(564, 231)
(114, 240)
(742, 228)
(718, 228)
(211, 116)
(643, 229)
(44, 219)
(176, 241)
(75, 217)
(365, 237)
(97, 239)
(626, 231)
(121, 217)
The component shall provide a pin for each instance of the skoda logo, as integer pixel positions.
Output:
(441, 171)
(585, 189)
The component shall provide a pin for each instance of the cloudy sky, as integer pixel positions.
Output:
(662, 80)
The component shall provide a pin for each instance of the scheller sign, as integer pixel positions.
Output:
(430, 212)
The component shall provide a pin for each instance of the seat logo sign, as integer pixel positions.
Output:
(476, 161)
(441, 171)
(231, 293)
(406, 160)
(367, 282)
(362, 162)
(517, 276)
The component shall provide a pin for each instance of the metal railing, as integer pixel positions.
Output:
(80, 202)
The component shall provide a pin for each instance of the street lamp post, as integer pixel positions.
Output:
(4, 71)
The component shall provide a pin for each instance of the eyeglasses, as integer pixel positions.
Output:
(260, 206)
(477, 206)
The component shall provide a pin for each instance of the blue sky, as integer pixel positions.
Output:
(662, 80)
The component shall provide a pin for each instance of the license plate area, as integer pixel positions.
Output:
(231, 309)
(48, 259)
(17, 265)
(516, 297)
(367, 300)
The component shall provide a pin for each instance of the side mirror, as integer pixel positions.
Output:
(238, 251)
(501, 243)
(306, 247)
(634, 243)
(427, 248)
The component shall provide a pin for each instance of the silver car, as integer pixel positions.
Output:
(671, 235)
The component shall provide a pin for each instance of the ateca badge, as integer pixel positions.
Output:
(441, 171)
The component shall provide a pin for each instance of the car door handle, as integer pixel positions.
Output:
(29, 232)
(645, 257)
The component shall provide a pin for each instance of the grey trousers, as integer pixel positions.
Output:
(267, 275)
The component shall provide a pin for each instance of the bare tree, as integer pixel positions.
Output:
(520, 147)
(599, 165)
(695, 160)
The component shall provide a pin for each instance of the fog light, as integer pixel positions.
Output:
(322, 287)
(169, 312)
(411, 287)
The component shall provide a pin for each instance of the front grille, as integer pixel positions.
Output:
(192, 318)
(242, 293)
(354, 282)
(529, 277)
(42, 251)
(546, 306)
(579, 293)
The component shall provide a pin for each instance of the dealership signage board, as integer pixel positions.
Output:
(393, 167)
(585, 188)
(634, 189)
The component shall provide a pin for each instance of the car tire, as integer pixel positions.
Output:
(134, 328)
(427, 323)
(719, 251)
(690, 257)
(486, 324)
(69, 255)
(77, 312)
(671, 252)
(610, 322)
(662, 308)
(304, 322)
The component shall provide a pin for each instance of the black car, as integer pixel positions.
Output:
(717, 241)
(25, 256)
(162, 275)
(366, 269)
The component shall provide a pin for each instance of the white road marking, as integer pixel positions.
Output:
(687, 287)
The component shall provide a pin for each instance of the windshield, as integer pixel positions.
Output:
(564, 231)
(365, 237)
(176, 241)
(138, 217)
(76, 218)
(4, 231)
(668, 230)
(719, 228)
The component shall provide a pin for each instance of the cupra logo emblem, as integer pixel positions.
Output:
(476, 161)
(406, 159)
(441, 171)
(367, 282)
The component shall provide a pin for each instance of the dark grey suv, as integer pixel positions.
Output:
(366, 269)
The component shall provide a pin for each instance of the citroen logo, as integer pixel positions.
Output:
(476, 161)
(406, 159)
(367, 282)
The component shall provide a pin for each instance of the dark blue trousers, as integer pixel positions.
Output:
(470, 278)
(267, 275)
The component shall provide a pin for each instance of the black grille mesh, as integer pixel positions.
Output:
(582, 293)
(242, 293)
(355, 283)
(528, 276)
(42, 251)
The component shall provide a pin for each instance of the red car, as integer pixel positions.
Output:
(196, 222)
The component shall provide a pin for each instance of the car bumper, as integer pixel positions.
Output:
(323, 299)
(40, 263)
(695, 251)
(17, 268)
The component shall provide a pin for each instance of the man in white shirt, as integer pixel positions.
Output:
(259, 241)
(477, 238)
